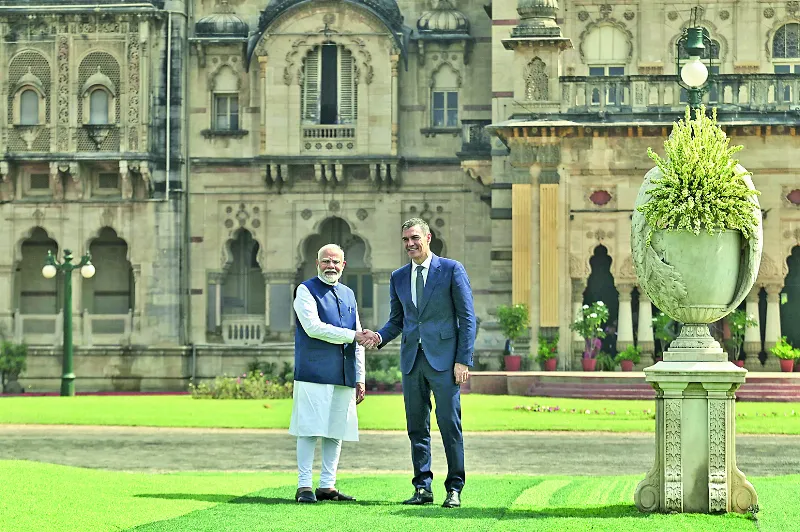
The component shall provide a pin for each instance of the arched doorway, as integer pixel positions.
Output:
(600, 287)
(357, 273)
(108, 297)
(37, 299)
(243, 291)
(790, 299)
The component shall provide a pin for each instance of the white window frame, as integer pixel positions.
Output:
(610, 95)
(346, 91)
(216, 98)
(446, 92)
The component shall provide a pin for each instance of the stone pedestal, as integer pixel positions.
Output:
(695, 466)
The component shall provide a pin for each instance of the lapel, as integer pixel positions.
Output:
(404, 286)
(434, 274)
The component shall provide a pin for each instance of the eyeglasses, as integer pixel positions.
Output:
(327, 262)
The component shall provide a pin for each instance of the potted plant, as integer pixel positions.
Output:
(13, 361)
(605, 362)
(513, 323)
(697, 217)
(629, 357)
(738, 323)
(547, 353)
(589, 325)
(788, 354)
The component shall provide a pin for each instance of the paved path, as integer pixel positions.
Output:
(536, 453)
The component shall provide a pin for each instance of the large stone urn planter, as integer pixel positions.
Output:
(695, 279)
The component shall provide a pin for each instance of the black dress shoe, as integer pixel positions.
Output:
(305, 496)
(453, 500)
(421, 496)
(334, 495)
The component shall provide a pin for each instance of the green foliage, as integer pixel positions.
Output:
(632, 353)
(383, 369)
(784, 350)
(700, 187)
(270, 371)
(13, 360)
(513, 320)
(248, 386)
(589, 325)
(739, 322)
(547, 350)
(665, 330)
(605, 362)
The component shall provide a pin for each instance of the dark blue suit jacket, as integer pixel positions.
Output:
(445, 320)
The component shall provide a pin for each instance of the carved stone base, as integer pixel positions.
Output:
(695, 467)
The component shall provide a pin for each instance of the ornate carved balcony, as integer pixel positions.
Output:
(244, 329)
(639, 94)
(328, 139)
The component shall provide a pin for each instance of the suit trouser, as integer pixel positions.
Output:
(417, 388)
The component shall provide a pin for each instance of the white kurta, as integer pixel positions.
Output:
(325, 410)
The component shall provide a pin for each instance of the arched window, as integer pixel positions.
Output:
(98, 107)
(330, 91)
(606, 50)
(786, 49)
(29, 108)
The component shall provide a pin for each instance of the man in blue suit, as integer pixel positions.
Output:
(431, 306)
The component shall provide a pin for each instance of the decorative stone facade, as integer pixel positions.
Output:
(222, 147)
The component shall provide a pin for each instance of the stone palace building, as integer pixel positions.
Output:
(203, 150)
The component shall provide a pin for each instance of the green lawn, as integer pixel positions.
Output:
(35, 497)
(381, 412)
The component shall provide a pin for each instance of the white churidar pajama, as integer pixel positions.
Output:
(323, 411)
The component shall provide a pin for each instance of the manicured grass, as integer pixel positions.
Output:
(378, 412)
(36, 496)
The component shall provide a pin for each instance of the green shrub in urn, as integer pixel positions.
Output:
(697, 219)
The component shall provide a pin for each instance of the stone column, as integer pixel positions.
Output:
(6, 299)
(267, 287)
(625, 318)
(644, 328)
(773, 329)
(395, 58)
(262, 89)
(576, 344)
(695, 465)
(752, 335)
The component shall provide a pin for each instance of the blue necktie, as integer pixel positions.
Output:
(420, 285)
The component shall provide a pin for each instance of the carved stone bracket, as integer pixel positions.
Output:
(142, 168)
(384, 175)
(332, 173)
(6, 186)
(125, 180)
(61, 170)
(277, 176)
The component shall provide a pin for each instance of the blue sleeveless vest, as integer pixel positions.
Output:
(319, 361)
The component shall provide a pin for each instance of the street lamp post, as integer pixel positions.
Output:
(50, 269)
(693, 74)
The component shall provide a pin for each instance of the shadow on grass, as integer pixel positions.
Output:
(614, 511)
(250, 499)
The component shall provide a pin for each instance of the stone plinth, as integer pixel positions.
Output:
(695, 466)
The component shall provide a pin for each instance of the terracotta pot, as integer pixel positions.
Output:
(787, 366)
(626, 365)
(588, 363)
(739, 363)
(513, 362)
(550, 364)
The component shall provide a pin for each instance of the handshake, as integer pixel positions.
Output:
(368, 339)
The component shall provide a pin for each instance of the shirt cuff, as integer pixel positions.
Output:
(351, 336)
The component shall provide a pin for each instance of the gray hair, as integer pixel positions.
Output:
(417, 222)
(326, 247)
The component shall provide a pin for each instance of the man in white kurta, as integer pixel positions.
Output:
(325, 411)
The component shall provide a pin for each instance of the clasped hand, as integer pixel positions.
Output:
(368, 339)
